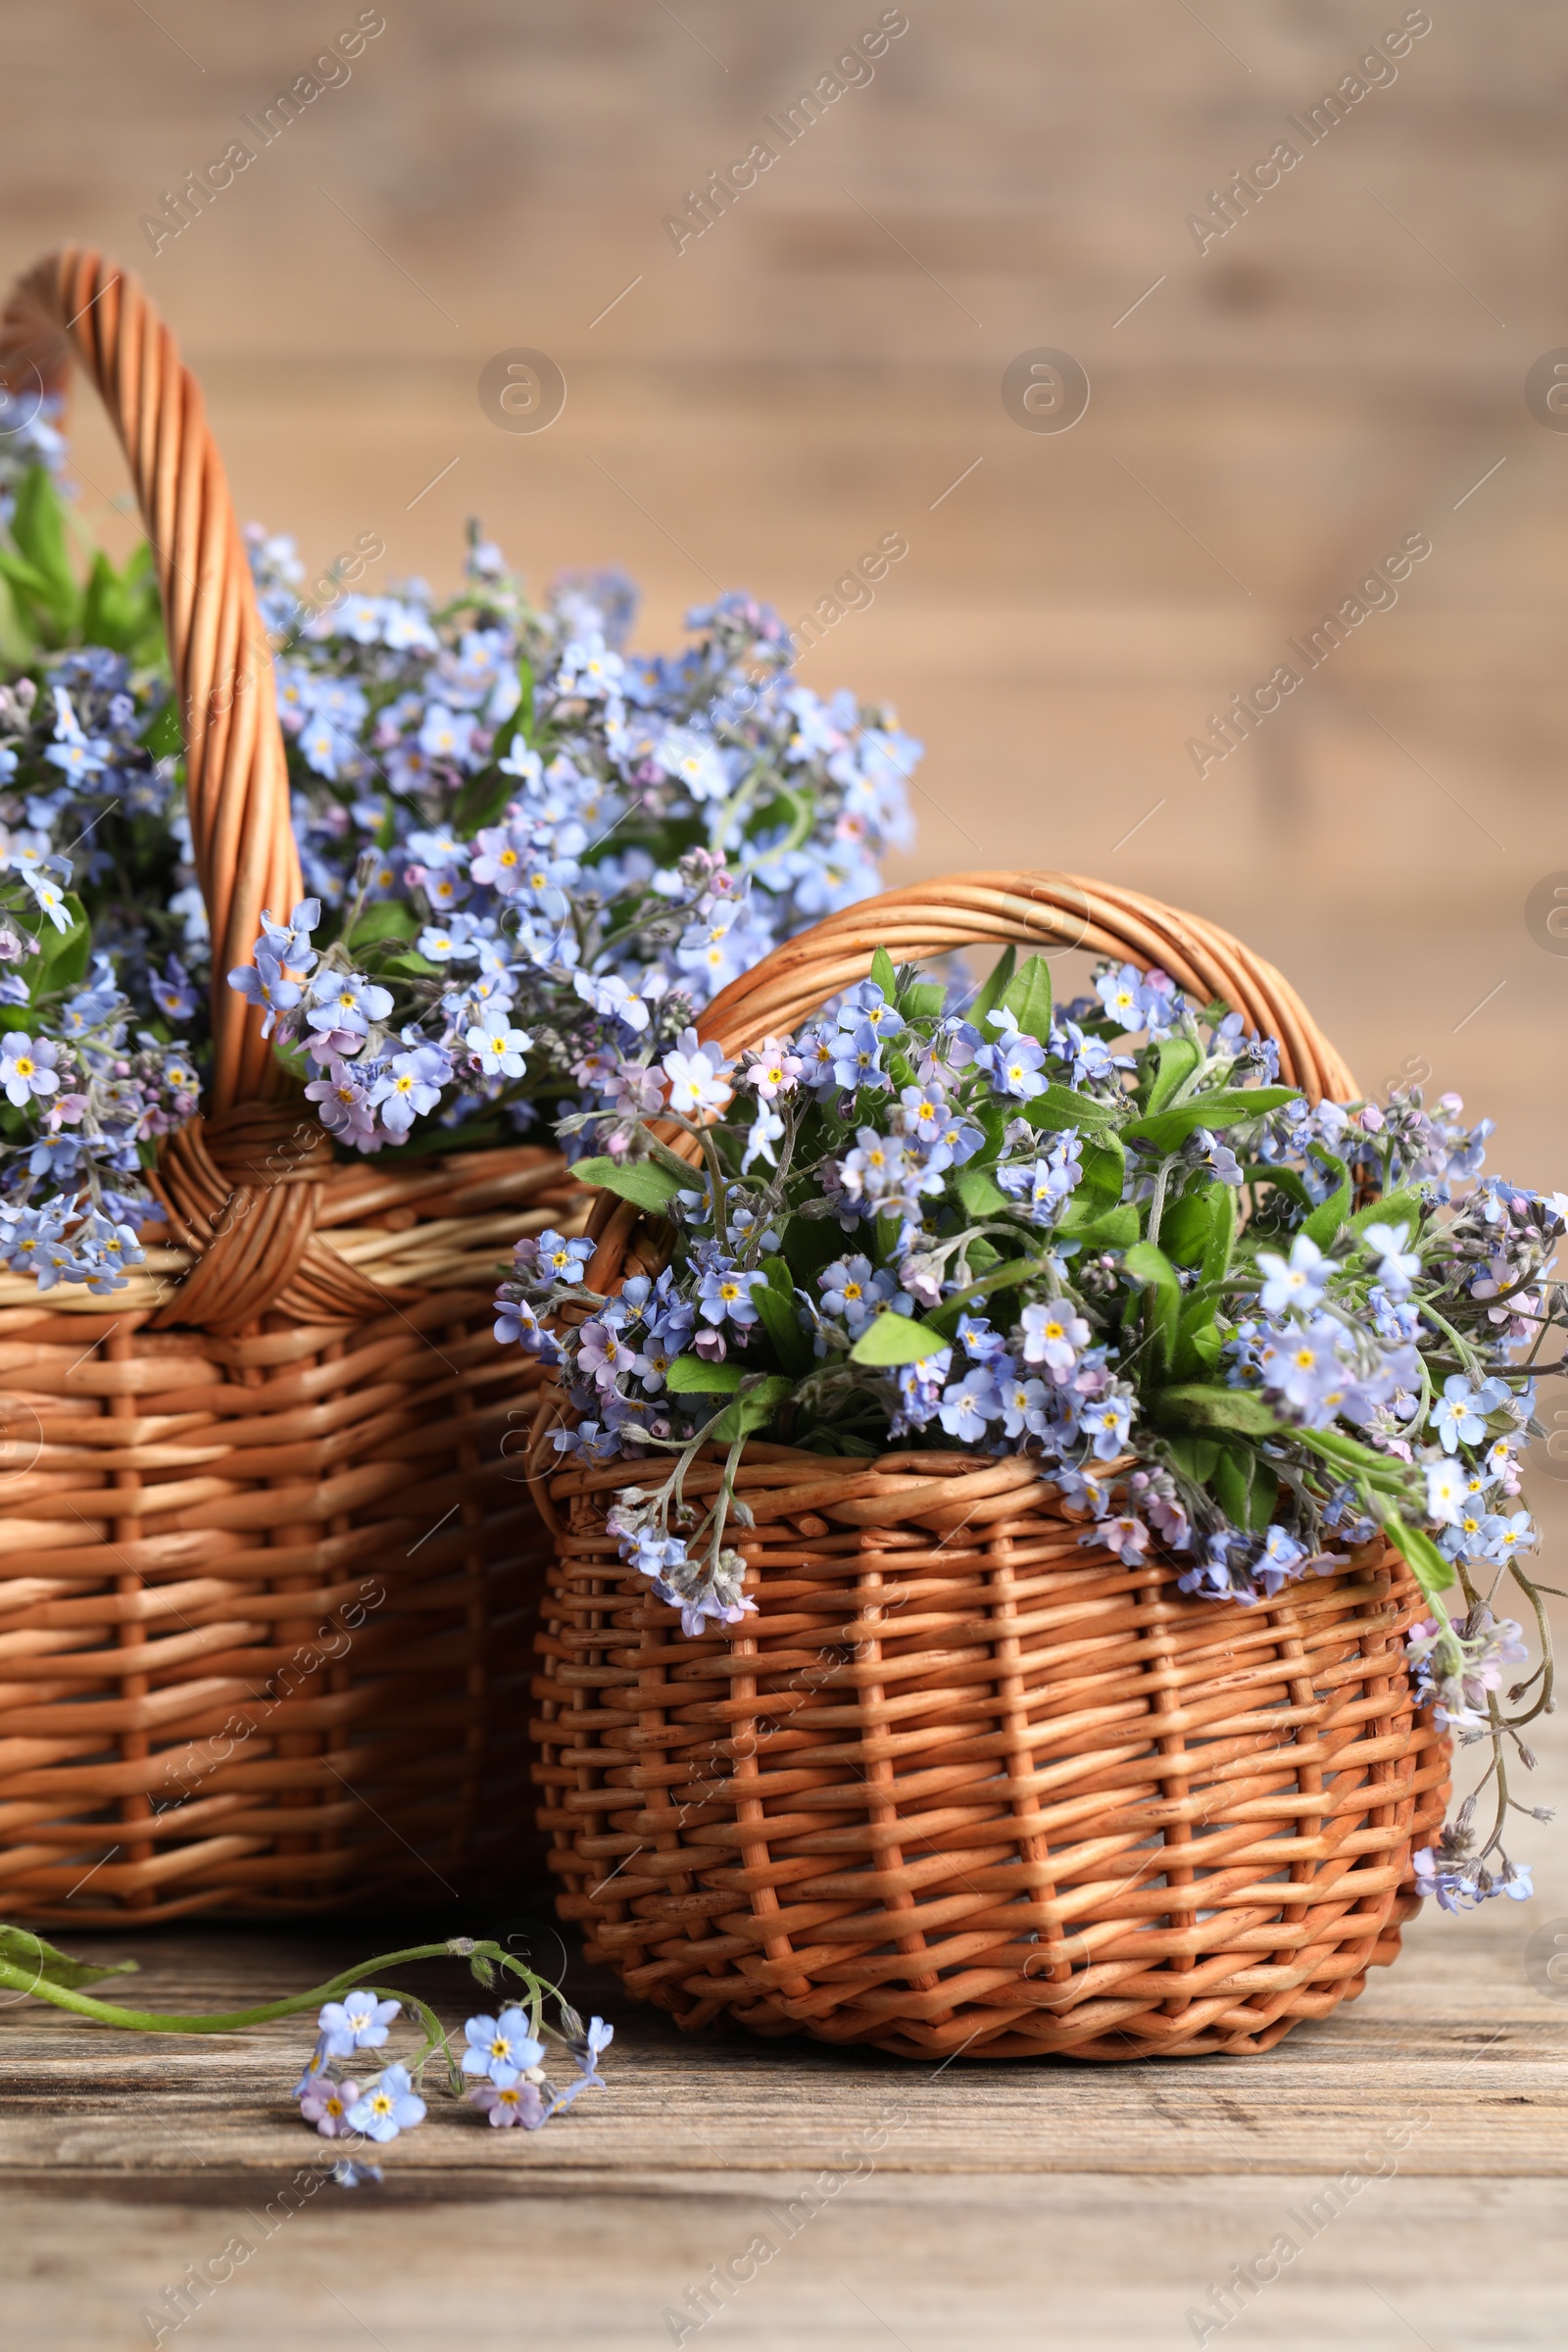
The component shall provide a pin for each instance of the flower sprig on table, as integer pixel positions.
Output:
(1247, 1330)
(500, 2070)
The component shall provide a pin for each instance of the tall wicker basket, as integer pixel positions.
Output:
(268, 1565)
(964, 1783)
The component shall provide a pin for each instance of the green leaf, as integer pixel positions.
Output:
(1431, 1570)
(782, 1322)
(922, 1000)
(890, 1339)
(121, 609)
(1065, 1107)
(780, 1278)
(1244, 1488)
(1013, 1270)
(1226, 1106)
(1342, 1454)
(481, 800)
(994, 988)
(689, 1376)
(408, 965)
(62, 958)
(1222, 1216)
(884, 975)
(1325, 1220)
(752, 1411)
(162, 735)
(1184, 1228)
(1398, 1208)
(1200, 1406)
(992, 1120)
(521, 721)
(1104, 1171)
(1098, 1229)
(1027, 998)
(641, 1180)
(45, 1963)
(1162, 1294)
(1196, 1455)
(980, 1193)
(811, 1244)
(388, 918)
(38, 529)
(1179, 1058)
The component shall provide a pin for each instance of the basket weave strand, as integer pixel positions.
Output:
(965, 1782)
(268, 1565)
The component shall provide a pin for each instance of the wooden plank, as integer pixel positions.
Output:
(1094, 2265)
(1454, 2033)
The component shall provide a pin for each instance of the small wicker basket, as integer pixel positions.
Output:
(965, 1782)
(268, 1565)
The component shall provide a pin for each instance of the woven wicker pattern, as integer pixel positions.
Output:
(268, 1567)
(965, 1782)
(966, 1785)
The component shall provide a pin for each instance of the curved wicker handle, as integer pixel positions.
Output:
(1051, 913)
(76, 304)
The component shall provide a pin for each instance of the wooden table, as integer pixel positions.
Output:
(971, 2208)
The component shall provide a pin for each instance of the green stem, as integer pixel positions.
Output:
(227, 2021)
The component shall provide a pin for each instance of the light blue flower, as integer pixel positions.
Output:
(410, 1087)
(1295, 1283)
(358, 2022)
(1397, 1267)
(500, 2048)
(1505, 1536)
(390, 2105)
(1454, 1416)
(970, 1403)
(499, 1048)
(1012, 1063)
(1107, 1420)
(726, 1292)
(764, 1133)
(27, 1069)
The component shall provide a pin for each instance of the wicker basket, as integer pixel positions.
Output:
(269, 1567)
(964, 1783)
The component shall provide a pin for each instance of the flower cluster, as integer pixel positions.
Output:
(503, 2059)
(533, 855)
(98, 1000)
(529, 853)
(1248, 1330)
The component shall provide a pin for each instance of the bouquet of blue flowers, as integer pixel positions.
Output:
(527, 849)
(1224, 1322)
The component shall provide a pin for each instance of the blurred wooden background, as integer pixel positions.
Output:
(1337, 371)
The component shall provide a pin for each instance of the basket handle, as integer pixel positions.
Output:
(1048, 912)
(76, 304)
